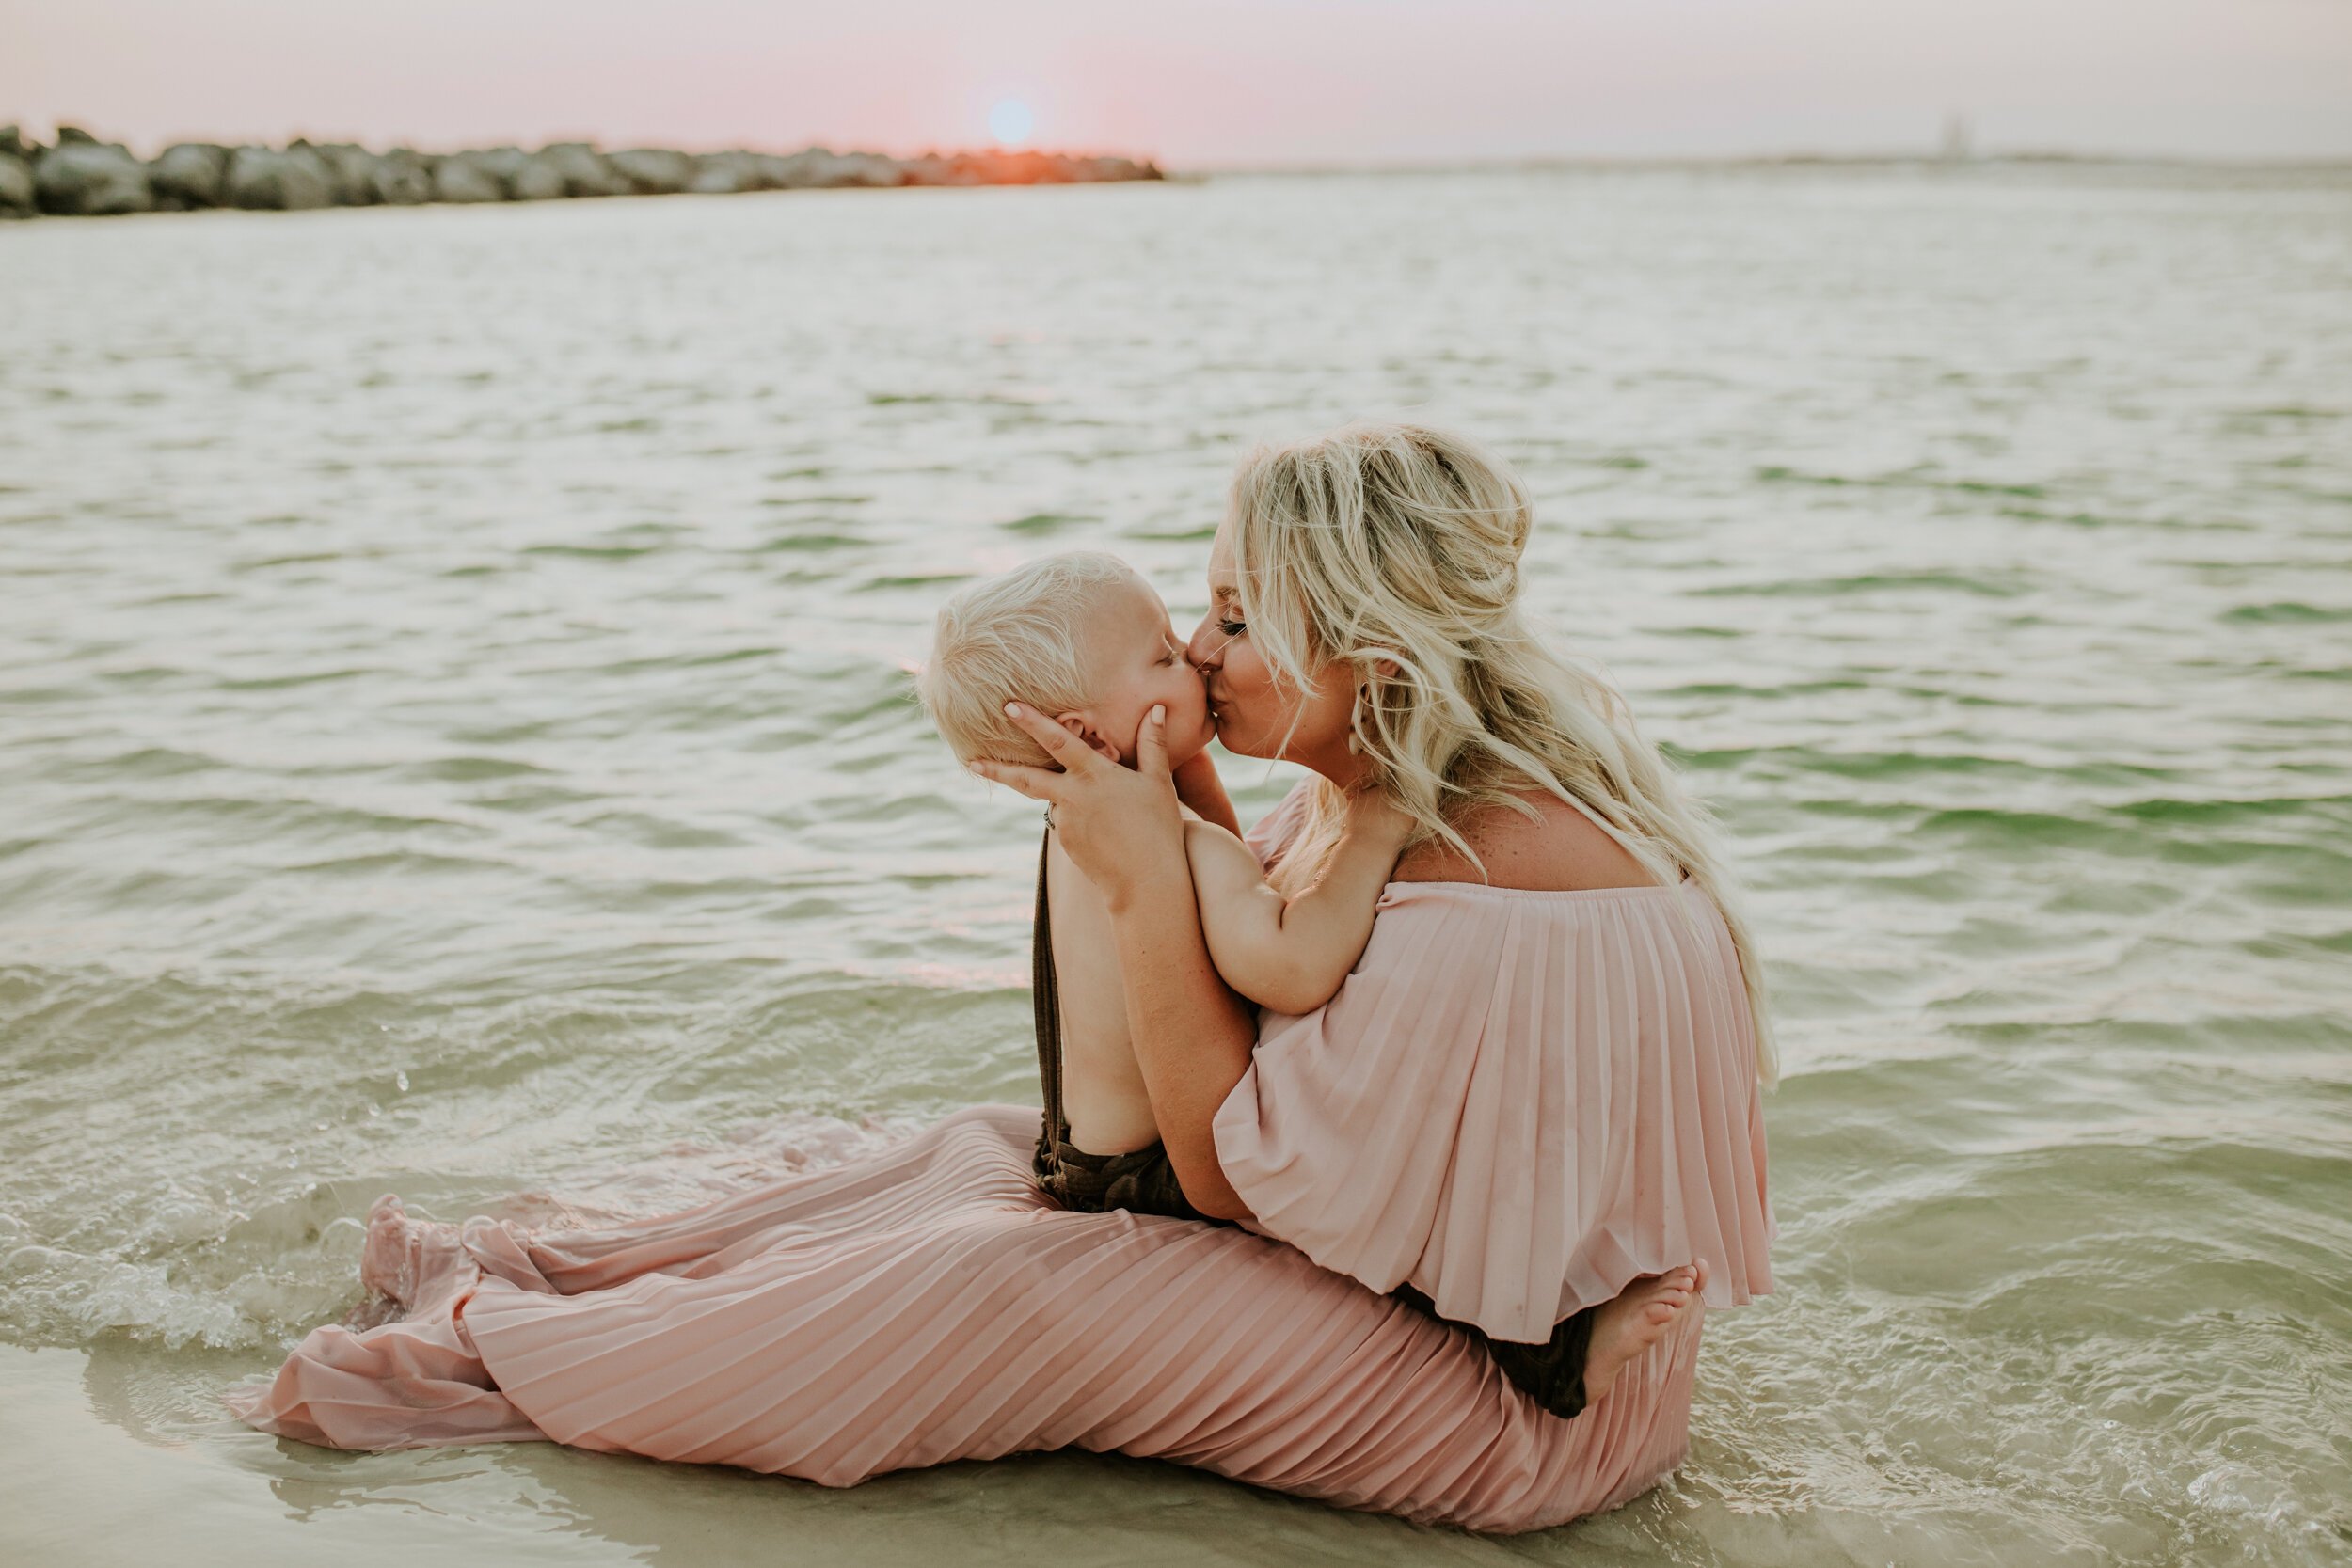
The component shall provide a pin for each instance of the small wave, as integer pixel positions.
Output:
(1866, 582)
(912, 579)
(472, 769)
(238, 1280)
(1993, 826)
(1740, 688)
(60, 1296)
(289, 814)
(404, 862)
(594, 552)
(1171, 535)
(1046, 522)
(659, 833)
(2287, 611)
(269, 562)
(685, 660)
(807, 543)
(300, 677)
(159, 762)
(2217, 812)
(1799, 760)
(1774, 474)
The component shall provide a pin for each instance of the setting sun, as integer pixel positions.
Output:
(1010, 122)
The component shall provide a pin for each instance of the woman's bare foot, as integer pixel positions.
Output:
(407, 1264)
(1644, 1313)
(387, 1262)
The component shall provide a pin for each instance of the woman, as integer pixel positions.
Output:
(1539, 1085)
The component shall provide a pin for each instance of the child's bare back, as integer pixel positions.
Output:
(1101, 1090)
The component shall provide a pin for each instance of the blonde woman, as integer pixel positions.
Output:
(1537, 1088)
(1542, 1082)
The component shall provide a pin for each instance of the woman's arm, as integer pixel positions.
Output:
(1192, 1036)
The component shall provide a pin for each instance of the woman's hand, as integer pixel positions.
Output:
(1119, 827)
(1192, 1036)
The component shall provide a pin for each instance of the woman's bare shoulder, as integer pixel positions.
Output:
(1560, 850)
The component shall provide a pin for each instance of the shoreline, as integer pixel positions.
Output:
(118, 1458)
(80, 176)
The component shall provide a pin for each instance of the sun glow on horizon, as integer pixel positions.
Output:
(1010, 122)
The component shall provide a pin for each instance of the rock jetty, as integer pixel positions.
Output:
(84, 177)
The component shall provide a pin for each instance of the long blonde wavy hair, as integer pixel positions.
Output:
(1394, 550)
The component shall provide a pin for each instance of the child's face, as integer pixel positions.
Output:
(1138, 663)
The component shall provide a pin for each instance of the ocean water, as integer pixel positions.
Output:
(456, 739)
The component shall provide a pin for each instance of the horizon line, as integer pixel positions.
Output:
(1497, 163)
(1394, 164)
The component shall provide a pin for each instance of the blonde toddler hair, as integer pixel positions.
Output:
(1018, 636)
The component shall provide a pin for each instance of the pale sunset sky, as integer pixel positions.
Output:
(1203, 83)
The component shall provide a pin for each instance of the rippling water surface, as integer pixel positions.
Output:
(455, 739)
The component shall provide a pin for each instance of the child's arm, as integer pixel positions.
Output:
(1203, 793)
(1290, 955)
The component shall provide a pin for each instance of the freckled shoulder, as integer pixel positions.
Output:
(1561, 852)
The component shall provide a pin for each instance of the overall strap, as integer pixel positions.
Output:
(1046, 996)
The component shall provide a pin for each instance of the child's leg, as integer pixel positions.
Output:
(1643, 1313)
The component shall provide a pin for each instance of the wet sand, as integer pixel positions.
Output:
(96, 1479)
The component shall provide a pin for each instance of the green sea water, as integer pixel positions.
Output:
(456, 739)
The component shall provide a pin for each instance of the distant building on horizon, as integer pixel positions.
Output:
(1955, 148)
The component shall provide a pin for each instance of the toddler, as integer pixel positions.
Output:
(1085, 642)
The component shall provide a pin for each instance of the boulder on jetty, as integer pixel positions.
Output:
(467, 177)
(289, 182)
(351, 171)
(652, 170)
(580, 167)
(16, 187)
(537, 181)
(189, 174)
(820, 168)
(89, 179)
(82, 175)
(403, 178)
(729, 173)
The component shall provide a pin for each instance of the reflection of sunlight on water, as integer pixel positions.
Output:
(463, 747)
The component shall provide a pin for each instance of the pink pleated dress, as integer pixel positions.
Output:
(1518, 1103)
